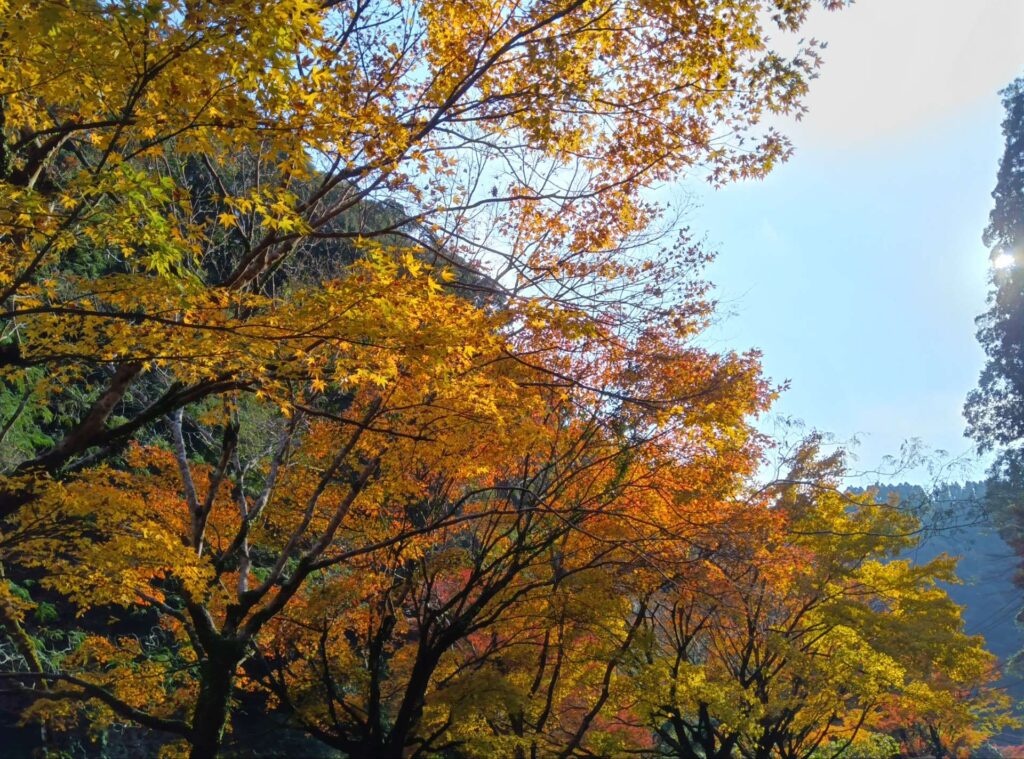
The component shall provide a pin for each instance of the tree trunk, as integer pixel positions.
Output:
(217, 683)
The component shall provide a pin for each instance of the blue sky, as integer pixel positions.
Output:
(858, 267)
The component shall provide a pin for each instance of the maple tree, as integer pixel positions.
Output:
(428, 496)
(950, 717)
(210, 143)
(261, 211)
(815, 636)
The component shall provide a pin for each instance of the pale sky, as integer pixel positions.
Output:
(858, 266)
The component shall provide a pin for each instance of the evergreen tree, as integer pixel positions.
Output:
(995, 408)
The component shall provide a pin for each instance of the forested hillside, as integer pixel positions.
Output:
(987, 566)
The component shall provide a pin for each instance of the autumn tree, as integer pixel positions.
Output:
(289, 286)
(800, 642)
(238, 558)
(206, 144)
(950, 712)
(498, 634)
(562, 679)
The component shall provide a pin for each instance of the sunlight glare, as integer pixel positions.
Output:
(1003, 261)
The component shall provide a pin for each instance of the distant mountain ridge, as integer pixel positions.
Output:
(956, 523)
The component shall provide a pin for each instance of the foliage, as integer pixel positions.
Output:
(816, 638)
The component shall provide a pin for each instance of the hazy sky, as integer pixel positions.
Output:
(858, 266)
